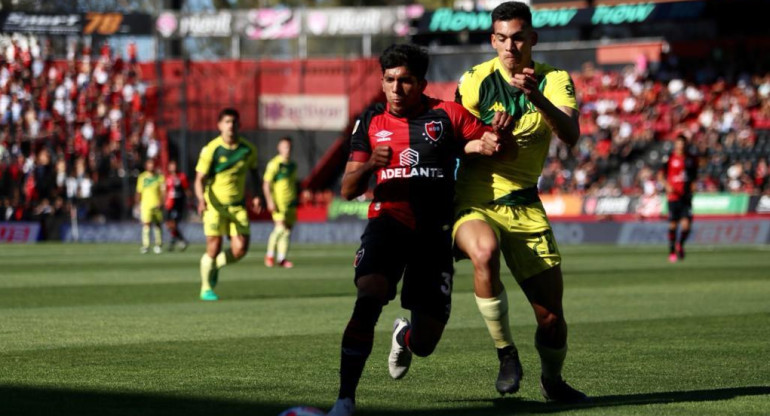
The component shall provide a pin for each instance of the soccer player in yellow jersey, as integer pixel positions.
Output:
(220, 187)
(150, 190)
(280, 189)
(497, 205)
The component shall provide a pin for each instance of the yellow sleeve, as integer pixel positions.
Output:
(204, 160)
(469, 92)
(140, 183)
(560, 90)
(270, 171)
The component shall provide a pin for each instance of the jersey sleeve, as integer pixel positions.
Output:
(360, 147)
(270, 170)
(465, 124)
(467, 93)
(204, 160)
(560, 89)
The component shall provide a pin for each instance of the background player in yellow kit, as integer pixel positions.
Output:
(280, 189)
(220, 184)
(498, 207)
(150, 189)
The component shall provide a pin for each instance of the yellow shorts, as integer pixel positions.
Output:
(524, 233)
(153, 215)
(225, 220)
(286, 214)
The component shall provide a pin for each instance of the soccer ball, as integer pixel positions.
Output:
(302, 411)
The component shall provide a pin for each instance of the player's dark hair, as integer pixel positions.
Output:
(681, 137)
(285, 139)
(512, 10)
(229, 112)
(411, 56)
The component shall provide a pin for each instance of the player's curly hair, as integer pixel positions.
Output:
(512, 10)
(411, 56)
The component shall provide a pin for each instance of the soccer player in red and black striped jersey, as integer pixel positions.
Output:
(410, 145)
(681, 172)
(177, 191)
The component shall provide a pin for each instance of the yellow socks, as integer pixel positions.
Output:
(272, 241)
(208, 272)
(145, 235)
(495, 313)
(225, 257)
(158, 236)
(283, 245)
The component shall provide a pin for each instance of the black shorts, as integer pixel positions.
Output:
(680, 209)
(423, 258)
(176, 212)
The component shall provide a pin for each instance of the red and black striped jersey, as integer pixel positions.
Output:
(417, 186)
(681, 172)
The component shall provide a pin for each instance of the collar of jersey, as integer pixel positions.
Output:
(233, 146)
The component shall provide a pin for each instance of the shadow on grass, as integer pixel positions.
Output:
(515, 405)
(26, 400)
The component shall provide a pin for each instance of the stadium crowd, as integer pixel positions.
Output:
(62, 124)
(628, 120)
(61, 128)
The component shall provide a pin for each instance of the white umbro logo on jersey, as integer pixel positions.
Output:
(383, 136)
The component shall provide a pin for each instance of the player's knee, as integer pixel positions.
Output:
(550, 321)
(238, 253)
(483, 253)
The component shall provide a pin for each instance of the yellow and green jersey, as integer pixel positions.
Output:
(282, 177)
(485, 89)
(150, 186)
(225, 167)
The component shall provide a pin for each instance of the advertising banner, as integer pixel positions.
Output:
(609, 205)
(760, 204)
(712, 232)
(278, 23)
(107, 24)
(562, 205)
(19, 232)
(316, 233)
(360, 20)
(305, 112)
(340, 209)
(170, 24)
(453, 20)
(42, 23)
(91, 23)
(717, 204)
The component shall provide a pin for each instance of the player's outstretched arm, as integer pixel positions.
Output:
(487, 145)
(356, 177)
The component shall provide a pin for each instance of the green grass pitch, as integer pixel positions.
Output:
(99, 329)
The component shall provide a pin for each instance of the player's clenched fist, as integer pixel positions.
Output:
(527, 82)
(380, 157)
(502, 123)
(487, 145)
